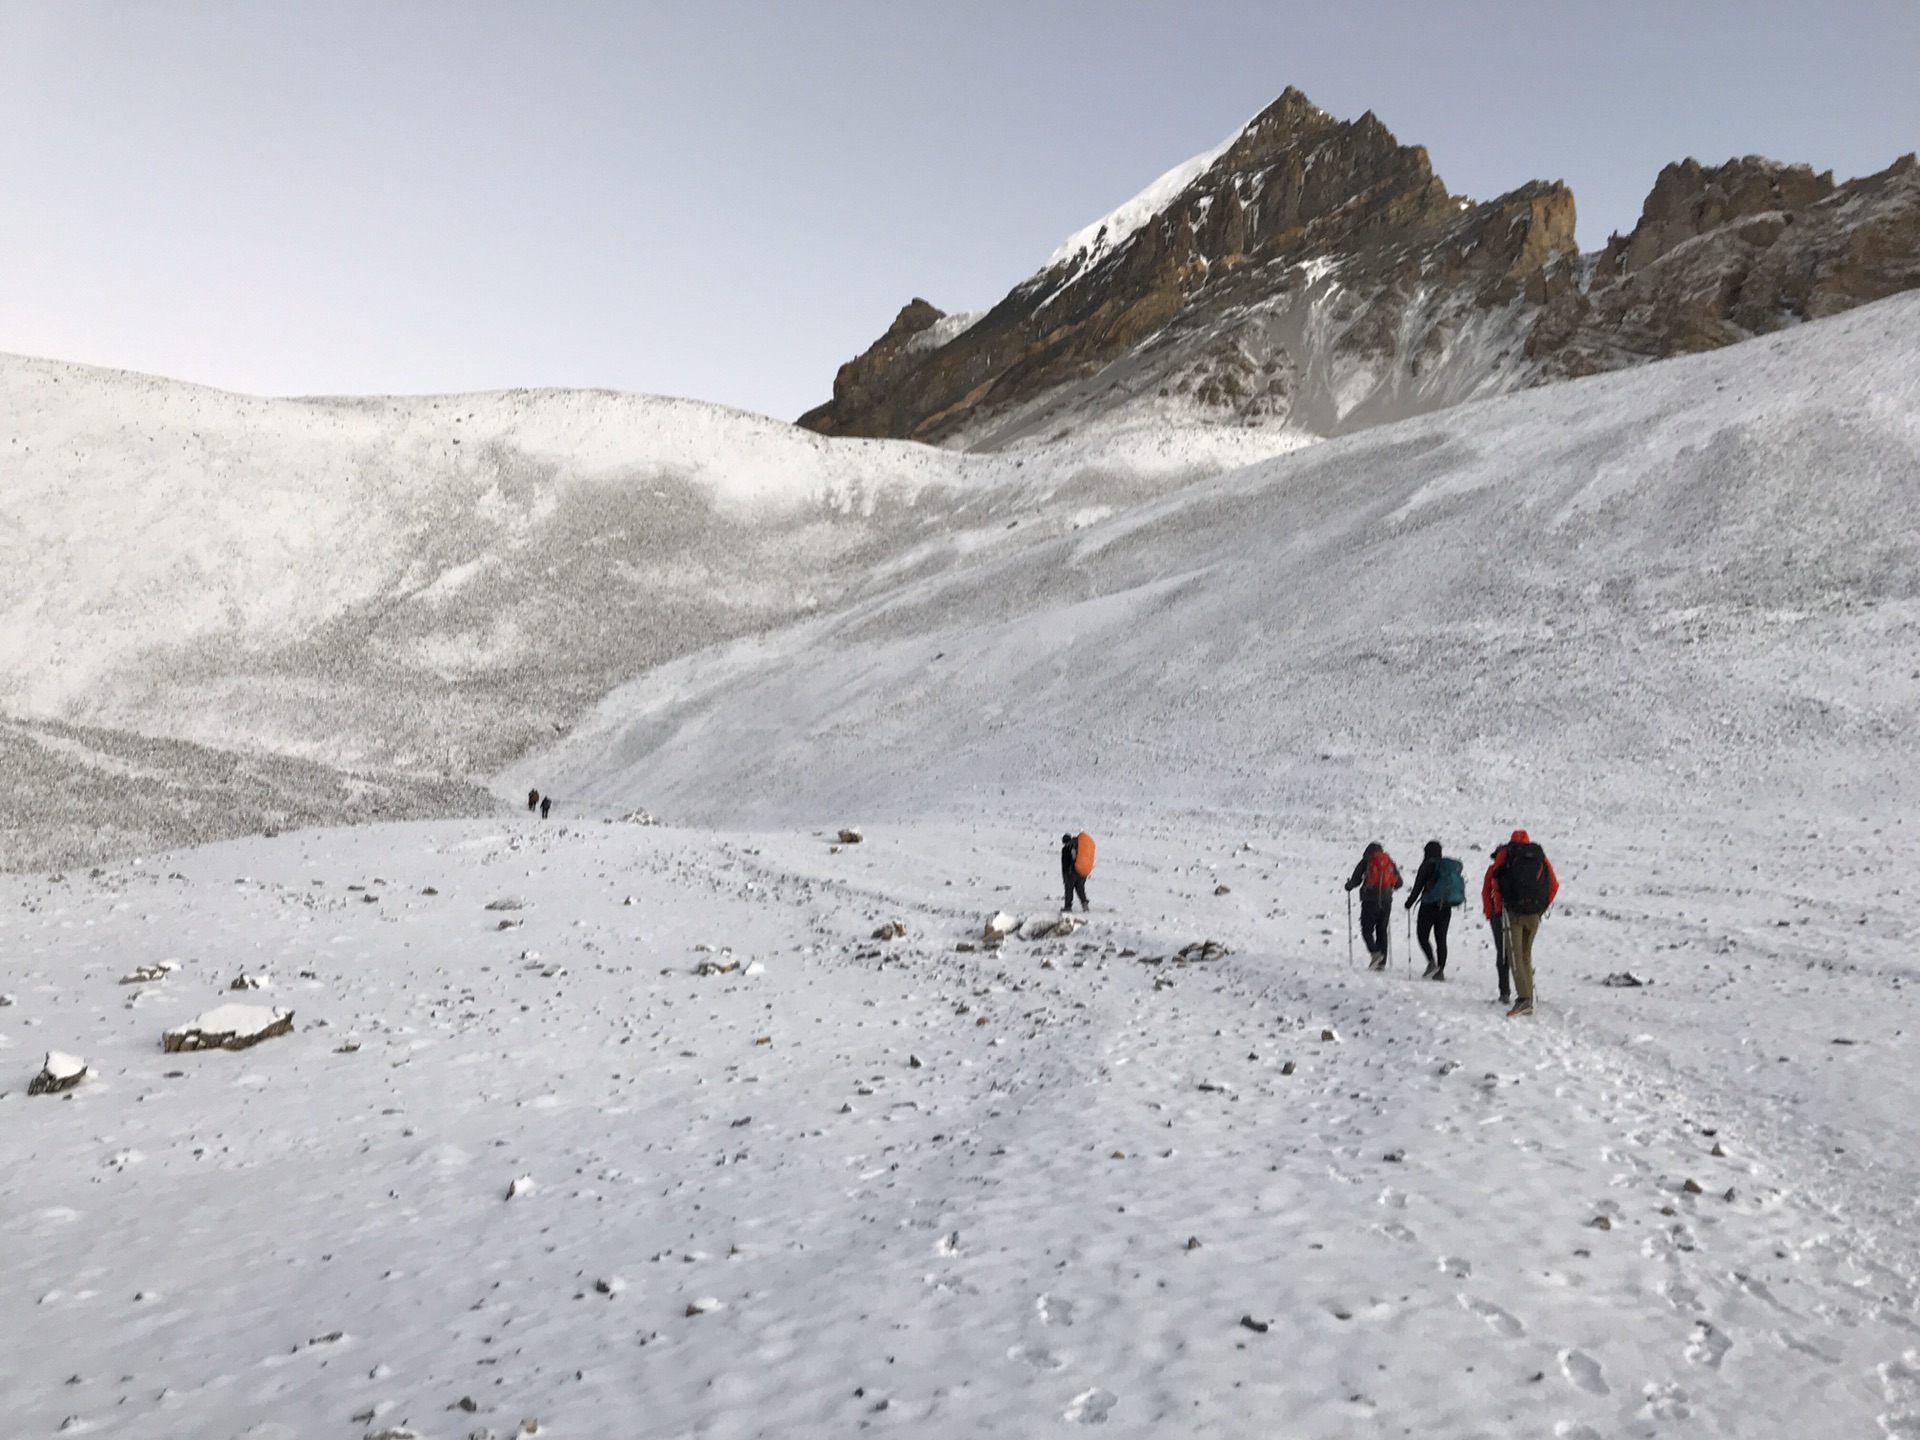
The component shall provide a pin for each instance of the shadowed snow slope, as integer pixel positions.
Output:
(421, 589)
(1687, 587)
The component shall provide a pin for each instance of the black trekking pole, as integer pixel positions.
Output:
(1506, 944)
(1349, 929)
(1409, 944)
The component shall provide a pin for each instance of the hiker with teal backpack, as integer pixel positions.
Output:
(1438, 886)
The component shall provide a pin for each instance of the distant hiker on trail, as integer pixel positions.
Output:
(533, 800)
(546, 806)
(1438, 886)
(1490, 907)
(1376, 877)
(1524, 876)
(1076, 863)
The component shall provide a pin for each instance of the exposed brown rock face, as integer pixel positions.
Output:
(1220, 293)
(1725, 254)
(1318, 274)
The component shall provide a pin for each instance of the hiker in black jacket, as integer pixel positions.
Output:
(1070, 876)
(1376, 877)
(1438, 886)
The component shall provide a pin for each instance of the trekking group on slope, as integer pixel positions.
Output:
(1515, 894)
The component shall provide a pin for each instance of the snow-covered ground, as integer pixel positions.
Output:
(1059, 1215)
(1666, 620)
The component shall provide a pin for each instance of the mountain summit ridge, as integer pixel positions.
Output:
(1316, 275)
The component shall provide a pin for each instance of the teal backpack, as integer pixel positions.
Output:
(1451, 886)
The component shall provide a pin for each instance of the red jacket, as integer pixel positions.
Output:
(1490, 892)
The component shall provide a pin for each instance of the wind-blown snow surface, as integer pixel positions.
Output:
(1664, 619)
(941, 1191)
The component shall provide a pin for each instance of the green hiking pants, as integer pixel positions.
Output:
(1520, 932)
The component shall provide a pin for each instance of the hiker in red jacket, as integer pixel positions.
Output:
(1527, 885)
(1376, 877)
(1490, 907)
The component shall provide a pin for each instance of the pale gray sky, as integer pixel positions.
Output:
(725, 199)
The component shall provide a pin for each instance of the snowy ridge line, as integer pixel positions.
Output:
(1090, 244)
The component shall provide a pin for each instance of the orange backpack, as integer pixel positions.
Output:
(1083, 855)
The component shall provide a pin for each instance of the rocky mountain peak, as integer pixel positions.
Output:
(1315, 274)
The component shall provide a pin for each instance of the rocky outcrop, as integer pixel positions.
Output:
(1316, 274)
(1724, 254)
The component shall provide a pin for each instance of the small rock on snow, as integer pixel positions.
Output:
(522, 1188)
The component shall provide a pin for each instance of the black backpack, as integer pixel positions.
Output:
(1522, 878)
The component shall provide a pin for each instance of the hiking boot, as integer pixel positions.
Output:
(1379, 963)
(1522, 1006)
(1440, 974)
(1431, 971)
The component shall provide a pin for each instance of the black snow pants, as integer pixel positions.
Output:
(1498, 922)
(1376, 919)
(1076, 884)
(1432, 922)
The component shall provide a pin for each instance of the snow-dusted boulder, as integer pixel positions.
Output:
(229, 1027)
(998, 927)
(1049, 927)
(147, 974)
(61, 1072)
(851, 835)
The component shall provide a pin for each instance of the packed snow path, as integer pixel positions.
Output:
(957, 1192)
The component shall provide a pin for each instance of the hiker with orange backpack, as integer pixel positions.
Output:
(1376, 877)
(1524, 876)
(1076, 863)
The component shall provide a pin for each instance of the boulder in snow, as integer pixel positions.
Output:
(507, 902)
(146, 974)
(229, 1027)
(892, 930)
(244, 981)
(705, 1305)
(522, 1187)
(1202, 950)
(851, 835)
(61, 1072)
(998, 927)
(1049, 927)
